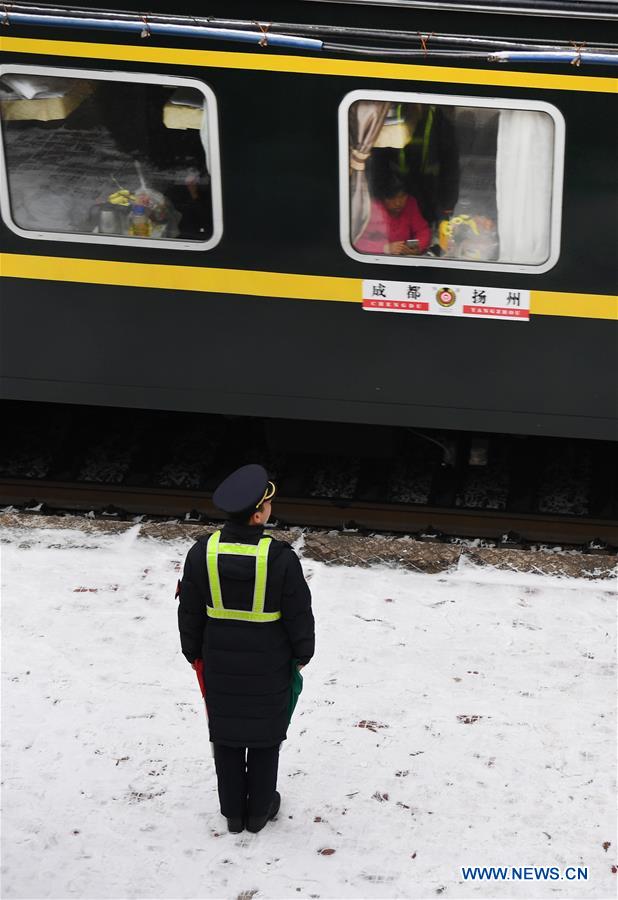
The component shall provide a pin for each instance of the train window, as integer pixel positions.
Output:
(469, 182)
(105, 157)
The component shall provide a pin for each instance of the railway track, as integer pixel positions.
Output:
(432, 485)
(506, 528)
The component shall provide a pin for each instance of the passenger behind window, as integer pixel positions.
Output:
(396, 225)
(137, 127)
(419, 143)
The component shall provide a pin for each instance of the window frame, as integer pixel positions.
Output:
(121, 77)
(496, 103)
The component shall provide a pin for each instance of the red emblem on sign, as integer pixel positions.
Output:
(446, 297)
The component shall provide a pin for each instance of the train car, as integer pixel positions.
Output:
(398, 213)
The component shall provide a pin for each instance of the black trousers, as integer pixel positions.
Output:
(246, 778)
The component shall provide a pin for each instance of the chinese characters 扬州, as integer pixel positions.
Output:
(479, 296)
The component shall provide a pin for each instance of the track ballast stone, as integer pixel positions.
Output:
(344, 549)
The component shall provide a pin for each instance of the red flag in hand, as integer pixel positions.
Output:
(198, 665)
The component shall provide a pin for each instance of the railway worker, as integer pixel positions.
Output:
(245, 611)
(396, 225)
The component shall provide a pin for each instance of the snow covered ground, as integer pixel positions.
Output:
(465, 719)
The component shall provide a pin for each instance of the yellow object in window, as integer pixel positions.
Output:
(123, 197)
(139, 223)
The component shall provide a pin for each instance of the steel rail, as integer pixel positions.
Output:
(320, 513)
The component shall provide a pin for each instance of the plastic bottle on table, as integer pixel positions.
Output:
(139, 223)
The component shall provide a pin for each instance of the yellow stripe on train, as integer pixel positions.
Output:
(309, 65)
(245, 282)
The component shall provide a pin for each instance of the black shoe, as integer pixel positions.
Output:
(235, 825)
(256, 823)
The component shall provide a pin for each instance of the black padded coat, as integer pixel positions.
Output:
(247, 665)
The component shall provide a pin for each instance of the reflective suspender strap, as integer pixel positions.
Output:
(260, 552)
(212, 552)
(261, 571)
(239, 549)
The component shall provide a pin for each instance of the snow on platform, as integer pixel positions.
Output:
(462, 719)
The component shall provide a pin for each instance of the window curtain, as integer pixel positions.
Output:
(524, 179)
(366, 120)
(204, 136)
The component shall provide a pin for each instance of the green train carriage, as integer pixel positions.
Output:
(185, 205)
